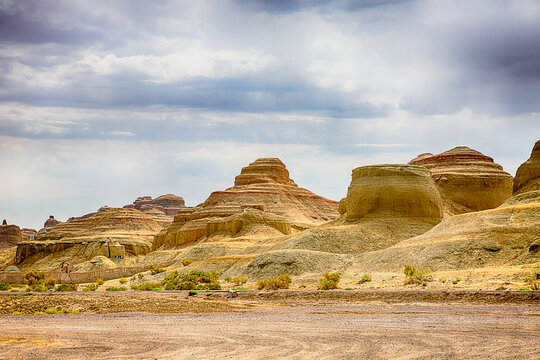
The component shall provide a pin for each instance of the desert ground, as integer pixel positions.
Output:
(367, 324)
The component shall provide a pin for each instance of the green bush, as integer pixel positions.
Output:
(196, 279)
(34, 277)
(209, 293)
(283, 281)
(90, 287)
(69, 286)
(39, 287)
(51, 311)
(239, 280)
(100, 281)
(192, 292)
(329, 281)
(186, 262)
(122, 280)
(365, 278)
(154, 269)
(146, 287)
(414, 276)
(4, 286)
(116, 288)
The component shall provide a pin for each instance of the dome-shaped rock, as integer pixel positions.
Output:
(467, 179)
(528, 174)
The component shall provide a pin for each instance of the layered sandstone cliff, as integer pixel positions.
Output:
(86, 236)
(467, 179)
(168, 205)
(10, 235)
(528, 174)
(264, 185)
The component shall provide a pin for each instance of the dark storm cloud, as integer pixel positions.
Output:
(24, 23)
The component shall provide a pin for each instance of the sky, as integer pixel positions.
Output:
(105, 101)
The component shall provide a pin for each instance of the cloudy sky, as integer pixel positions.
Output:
(105, 101)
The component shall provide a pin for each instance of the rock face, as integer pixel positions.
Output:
(86, 236)
(467, 179)
(10, 235)
(528, 174)
(264, 185)
(49, 224)
(168, 204)
(393, 190)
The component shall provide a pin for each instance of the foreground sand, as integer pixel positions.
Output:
(359, 331)
(262, 325)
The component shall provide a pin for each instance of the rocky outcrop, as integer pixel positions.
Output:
(168, 204)
(49, 224)
(127, 227)
(264, 185)
(248, 221)
(467, 179)
(528, 174)
(10, 235)
(393, 190)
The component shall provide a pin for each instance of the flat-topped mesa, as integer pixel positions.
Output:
(169, 204)
(393, 191)
(528, 174)
(10, 235)
(130, 228)
(264, 170)
(263, 185)
(467, 179)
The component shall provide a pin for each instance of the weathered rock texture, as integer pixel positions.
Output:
(168, 204)
(263, 185)
(10, 235)
(85, 237)
(393, 190)
(528, 174)
(467, 179)
(49, 224)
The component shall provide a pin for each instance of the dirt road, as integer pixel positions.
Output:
(353, 331)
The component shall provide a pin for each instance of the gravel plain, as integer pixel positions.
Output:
(251, 329)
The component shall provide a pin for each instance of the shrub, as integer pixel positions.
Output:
(192, 292)
(146, 287)
(349, 289)
(34, 277)
(116, 288)
(329, 281)
(186, 262)
(414, 276)
(239, 280)
(154, 269)
(196, 279)
(16, 313)
(51, 311)
(456, 281)
(365, 278)
(39, 287)
(90, 287)
(140, 275)
(228, 279)
(4, 286)
(133, 278)
(122, 280)
(39, 313)
(99, 281)
(69, 286)
(283, 281)
(49, 283)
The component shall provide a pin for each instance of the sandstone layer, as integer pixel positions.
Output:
(393, 190)
(164, 206)
(263, 185)
(528, 174)
(82, 239)
(10, 235)
(49, 224)
(467, 179)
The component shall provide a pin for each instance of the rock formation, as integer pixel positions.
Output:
(467, 179)
(393, 190)
(82, 239)
(168, 204)
(10, 235)
(264, 185)
(49, 224)
(528, 174)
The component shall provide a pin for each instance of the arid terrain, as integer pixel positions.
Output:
(276, 325)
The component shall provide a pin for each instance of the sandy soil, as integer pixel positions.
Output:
(357, 331)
